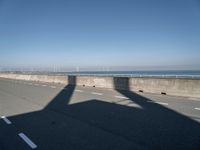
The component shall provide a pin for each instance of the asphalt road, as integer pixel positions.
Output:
(55, 117)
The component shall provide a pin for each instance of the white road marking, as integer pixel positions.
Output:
(194, 98)
(134, 105)
(161, 103)
(197, 120)
(27, 140)
(36, 84)
(6, 120)
(78, 90)
(121, 97)
(53, 87)
(95, 93)
(124, 102)
(30, 84)
(197, 108)
(44, 85)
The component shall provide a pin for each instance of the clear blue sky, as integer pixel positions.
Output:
(100, 32)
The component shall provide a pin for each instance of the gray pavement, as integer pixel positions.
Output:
(58, 117)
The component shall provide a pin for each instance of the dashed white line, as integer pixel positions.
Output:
(197, 108)
(27, 140)
(134, 105)
(78, 90)
(161, 103)
(36, 84)
(194, 98)
(6, 120)
(44, 85)
(53, 87)
(95, 93)
(122, 97)
(124, 102)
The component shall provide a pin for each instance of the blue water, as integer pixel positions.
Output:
(163, 74)
(182, 73)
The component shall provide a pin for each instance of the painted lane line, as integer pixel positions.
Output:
(78, 90)
(123, 100)
(197, 108)
(134, 105)
(161, 103)
(27, 140)
(36, 84)
(121, 97)
(53, 87)
(193, 98)
(95, 93)
(44, 85)
(6, 120)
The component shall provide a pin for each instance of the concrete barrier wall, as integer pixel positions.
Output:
(103, 82)
(169, 86)
(37, 78)
(175, 86)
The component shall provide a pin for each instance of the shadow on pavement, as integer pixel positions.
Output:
(96, 124)
(157, 126)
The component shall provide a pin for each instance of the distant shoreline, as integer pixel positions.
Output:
(161, 73)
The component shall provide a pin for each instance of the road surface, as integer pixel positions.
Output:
(56, 117)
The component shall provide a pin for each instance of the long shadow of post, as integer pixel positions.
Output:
(159, 127)
(46, 127)
(64, 96)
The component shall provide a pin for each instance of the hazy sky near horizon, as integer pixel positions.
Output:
(100, 32)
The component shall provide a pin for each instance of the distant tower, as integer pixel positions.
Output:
(77, 68)
(54, 68)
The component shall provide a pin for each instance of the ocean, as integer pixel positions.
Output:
(168, 73)
(157, 73)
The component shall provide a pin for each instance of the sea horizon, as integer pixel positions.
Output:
(133, 73)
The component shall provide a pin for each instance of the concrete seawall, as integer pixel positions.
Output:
(169, 86)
